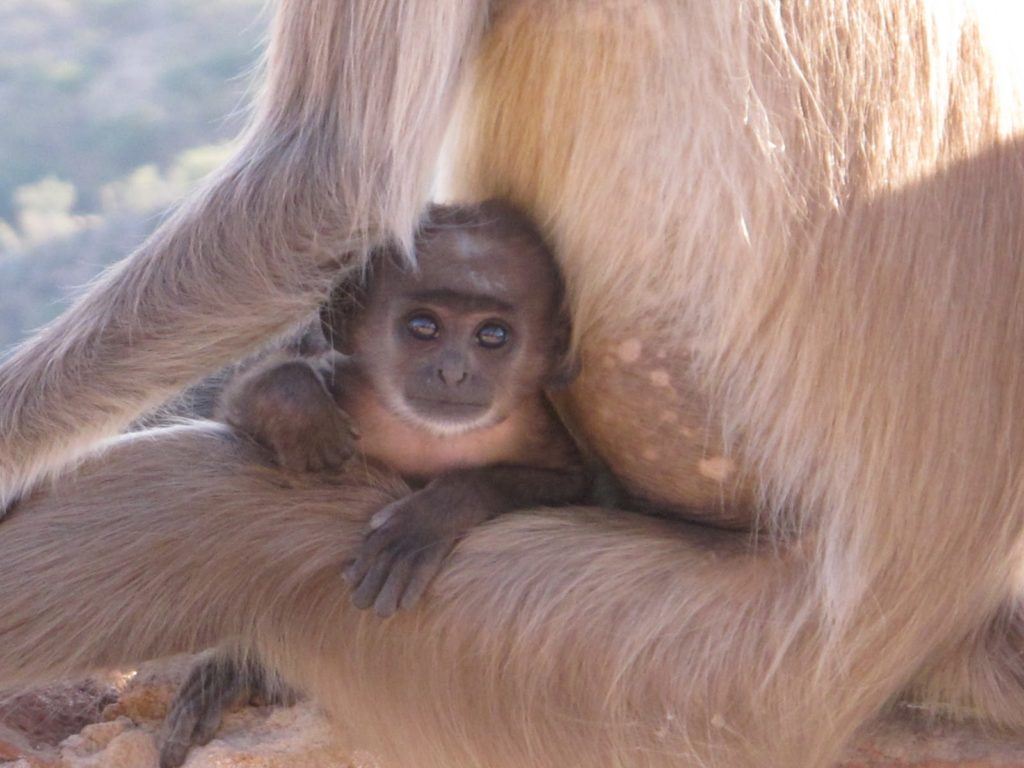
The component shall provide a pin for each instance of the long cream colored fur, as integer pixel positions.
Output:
(818, 204)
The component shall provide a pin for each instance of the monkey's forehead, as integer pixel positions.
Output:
(476, 244)
(471, 279)
(475, 264)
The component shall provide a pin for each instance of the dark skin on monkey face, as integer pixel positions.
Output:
(461, 342)
(442, 377)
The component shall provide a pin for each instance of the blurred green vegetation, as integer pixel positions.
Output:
(111, 110)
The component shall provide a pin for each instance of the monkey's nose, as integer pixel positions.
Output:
(452, 376)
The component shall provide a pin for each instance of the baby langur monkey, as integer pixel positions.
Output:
(441, 377)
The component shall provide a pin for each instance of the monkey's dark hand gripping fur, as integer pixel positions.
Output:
(409, 539)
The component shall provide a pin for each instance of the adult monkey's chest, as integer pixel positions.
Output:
(558, 118)
(641, 413)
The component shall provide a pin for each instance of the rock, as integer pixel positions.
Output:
(95, 738)
(286, 737)
(46, 716)
(10, 751)
(149, 690)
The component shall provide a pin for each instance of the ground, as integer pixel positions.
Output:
(114, 721)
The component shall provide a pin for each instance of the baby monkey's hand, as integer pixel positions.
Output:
(285, 407)
(408, 541)
(313, 442)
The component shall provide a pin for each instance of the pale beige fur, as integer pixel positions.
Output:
(815, 208)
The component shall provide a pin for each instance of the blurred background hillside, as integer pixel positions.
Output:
(109, 111)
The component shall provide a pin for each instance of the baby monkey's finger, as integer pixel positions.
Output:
(355, 570)
(427, 565)
(391, 593)
(382, 516)
(370, 586)
(365, 557)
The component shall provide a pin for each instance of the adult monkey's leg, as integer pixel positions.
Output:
(339, 156)
(570, 638)
(565, 639)
(189, 520)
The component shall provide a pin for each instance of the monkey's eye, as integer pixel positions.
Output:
(423, 327)
(492, 336)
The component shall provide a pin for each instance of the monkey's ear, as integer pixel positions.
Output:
(338, 314)
(565, 362)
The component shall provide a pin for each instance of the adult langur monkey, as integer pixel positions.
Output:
(791, 233)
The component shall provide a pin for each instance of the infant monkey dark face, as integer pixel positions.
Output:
(457, 343)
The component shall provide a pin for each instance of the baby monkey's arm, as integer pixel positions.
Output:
(284, 404)
(409, 538)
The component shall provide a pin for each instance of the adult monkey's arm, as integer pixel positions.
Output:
(339, 156)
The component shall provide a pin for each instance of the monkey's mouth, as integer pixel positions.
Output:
(453, 409)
